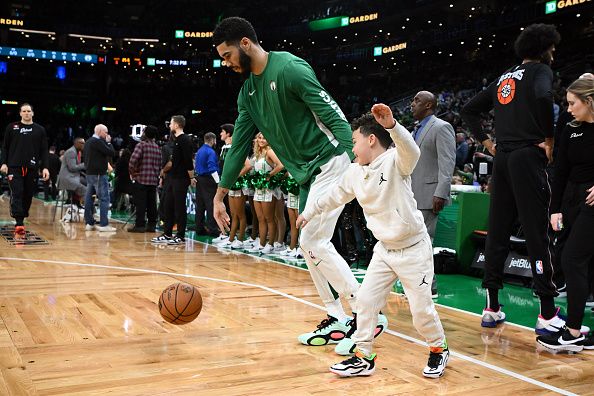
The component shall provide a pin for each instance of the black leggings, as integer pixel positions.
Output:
(22, 182)
(577, 260)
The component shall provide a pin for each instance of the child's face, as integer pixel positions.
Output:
(361, 148)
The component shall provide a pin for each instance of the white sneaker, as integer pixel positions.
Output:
(295, 253)
(249, 242)
(279, 247)
(236, 244)
(492, 318)
(225, 244)
(106, 228)
(358, 365)
(90, 227)
(256, 249)
(267, 249)
(286, 252)
(554, 325)
(437, 363)
(219, 239)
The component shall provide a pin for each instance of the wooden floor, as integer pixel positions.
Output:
(79, 317)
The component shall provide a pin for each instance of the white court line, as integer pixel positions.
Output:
(274, 291)
(507, 323)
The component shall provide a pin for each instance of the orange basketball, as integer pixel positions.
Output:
(180, 303)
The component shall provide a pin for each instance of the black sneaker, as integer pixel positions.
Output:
(358, 365)
(564, 341)
(161, 239)
(137, 229)
(176, 241)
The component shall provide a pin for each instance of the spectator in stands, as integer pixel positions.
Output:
(461, 150)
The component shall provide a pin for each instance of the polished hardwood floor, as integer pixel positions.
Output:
(79, 317)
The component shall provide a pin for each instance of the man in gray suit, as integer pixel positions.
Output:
(70, 171)
(432, 177)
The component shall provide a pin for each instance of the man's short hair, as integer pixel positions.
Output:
(367, 126)
(228, 128)
(179, 120)
(232, 30)
(210, 137)
(150, 131)
(535, 41)
(25, 104)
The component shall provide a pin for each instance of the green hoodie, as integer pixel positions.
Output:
(300, 120)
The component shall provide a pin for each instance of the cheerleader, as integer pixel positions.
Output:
(237, 206)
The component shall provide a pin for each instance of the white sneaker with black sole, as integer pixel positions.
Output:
(554, 325)
(436, 365)
(492, 318)
(358, 365)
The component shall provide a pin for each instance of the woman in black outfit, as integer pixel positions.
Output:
(575, 163)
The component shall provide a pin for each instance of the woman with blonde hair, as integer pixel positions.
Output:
(575, 164)
(266, 164)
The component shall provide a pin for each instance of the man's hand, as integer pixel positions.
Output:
(489, 145)
(220, 212)
(4, 169)
(547, 146)
(108, 138)
(438, 204)
(590, 197)
(383, 115)
(193, 182)
(45, 174)
(557, 221)
(301, 221)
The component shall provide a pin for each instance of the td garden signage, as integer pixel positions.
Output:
(12, 22)
(181, 34)
(379, 51)
(554, 6)
(341, 21)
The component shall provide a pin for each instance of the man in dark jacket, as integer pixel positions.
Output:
(24, 152)
(97, 152)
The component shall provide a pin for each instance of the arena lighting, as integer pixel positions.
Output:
(196, 111)
(49, 55)
(142, 40)
(31, 31)
(216, 63)
(108, 108)
(9, 102)
(89, 37)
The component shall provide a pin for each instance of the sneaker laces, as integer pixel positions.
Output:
(352, 360)
(435, 359)
(326, 322)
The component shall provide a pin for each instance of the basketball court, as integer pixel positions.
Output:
(79, 316)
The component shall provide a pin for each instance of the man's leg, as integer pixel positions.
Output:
(89, 201)
(169, 208)
(103, 193)
(16, 183)
(200, 205)
(502, 214)
(180, 190)
(140, 199)
(151, 207)
(324, 262)
(209, 191)
(532, 192)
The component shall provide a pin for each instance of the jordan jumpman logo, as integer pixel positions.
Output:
(423, 282)
(382, 179)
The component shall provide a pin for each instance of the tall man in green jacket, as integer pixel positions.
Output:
(282, 98)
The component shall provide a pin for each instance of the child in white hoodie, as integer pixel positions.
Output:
(380, 180)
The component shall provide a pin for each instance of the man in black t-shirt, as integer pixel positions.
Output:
(522, 100)
(179, 177)
(24, 152)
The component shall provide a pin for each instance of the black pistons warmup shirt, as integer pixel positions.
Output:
(25, 145)
(522, 100)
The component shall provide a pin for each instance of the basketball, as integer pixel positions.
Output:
(180, 303)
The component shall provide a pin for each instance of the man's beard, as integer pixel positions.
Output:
(245, 63)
